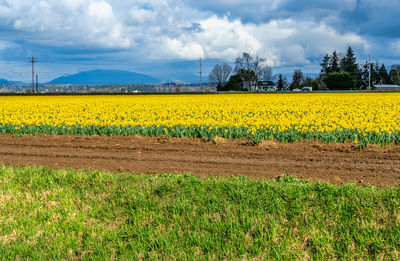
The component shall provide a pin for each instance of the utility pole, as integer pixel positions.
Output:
(201, 77)
(33, 61)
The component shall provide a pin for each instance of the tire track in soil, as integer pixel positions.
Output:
(335, 163)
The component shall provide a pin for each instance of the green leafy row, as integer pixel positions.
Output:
(210, 132)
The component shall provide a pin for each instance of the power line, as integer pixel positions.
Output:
(94, 62)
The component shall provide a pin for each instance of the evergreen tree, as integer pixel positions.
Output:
(281, 82)
(334, 63)
(374, 68)
(235, 83)
(383, 75)
(349, 64)
(375, 73)
(325, 67)
(365, 74)
(285, 82)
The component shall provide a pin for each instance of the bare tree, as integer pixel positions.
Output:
(298, 78)
(267, 74)
(219, 75)
(250, 68)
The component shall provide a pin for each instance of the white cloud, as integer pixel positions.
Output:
(139, 16)
(81, 23)
(177, 49)
(296, 54)
(167, 29)
(72, 4)
(101, 11)
(282, 42)
(226, 39)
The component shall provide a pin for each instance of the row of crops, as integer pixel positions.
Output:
(361, 118)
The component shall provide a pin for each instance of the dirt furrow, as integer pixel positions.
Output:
(336, 163)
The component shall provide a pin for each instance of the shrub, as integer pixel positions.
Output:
(340, 81)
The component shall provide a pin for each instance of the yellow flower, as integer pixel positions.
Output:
(317, 112)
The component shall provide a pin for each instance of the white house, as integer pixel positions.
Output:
(267, 86)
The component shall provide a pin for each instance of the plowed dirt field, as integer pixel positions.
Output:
(335, 163)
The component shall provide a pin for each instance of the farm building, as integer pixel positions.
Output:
(386, 87)
(261, 86)
(267, 86)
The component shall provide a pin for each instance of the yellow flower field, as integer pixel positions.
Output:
(330, 112)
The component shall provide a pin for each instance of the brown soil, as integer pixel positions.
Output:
(336, 163)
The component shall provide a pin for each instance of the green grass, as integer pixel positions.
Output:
(47, 214)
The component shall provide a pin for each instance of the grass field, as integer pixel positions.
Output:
(48, 214)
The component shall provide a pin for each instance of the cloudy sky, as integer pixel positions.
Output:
(166, 38)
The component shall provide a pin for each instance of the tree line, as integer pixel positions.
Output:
(338, 72)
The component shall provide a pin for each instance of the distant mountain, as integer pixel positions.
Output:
(100, 77)
(6, 82)
(3, 81)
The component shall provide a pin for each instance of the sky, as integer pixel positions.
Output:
(166, 38)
